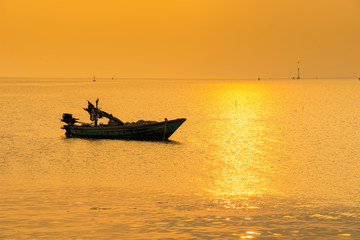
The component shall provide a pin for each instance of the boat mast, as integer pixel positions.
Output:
(96, 112)
(92, 110)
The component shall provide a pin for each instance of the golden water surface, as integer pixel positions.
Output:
(255, 159)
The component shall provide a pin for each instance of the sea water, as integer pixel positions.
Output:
(269, 159)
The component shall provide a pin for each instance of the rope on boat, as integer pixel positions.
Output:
(165, 129)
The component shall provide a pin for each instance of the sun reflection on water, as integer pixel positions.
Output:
(243, 141)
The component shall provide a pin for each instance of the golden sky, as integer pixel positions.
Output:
(179, 39)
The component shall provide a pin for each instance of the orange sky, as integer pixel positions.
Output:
(179, 39)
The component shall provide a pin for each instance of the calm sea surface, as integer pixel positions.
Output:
(275, 159)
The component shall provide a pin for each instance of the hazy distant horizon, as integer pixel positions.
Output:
(180, 39)
(180, 78)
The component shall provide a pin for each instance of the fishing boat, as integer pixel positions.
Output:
(140, 130)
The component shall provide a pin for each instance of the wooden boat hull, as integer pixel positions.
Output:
(155, 131)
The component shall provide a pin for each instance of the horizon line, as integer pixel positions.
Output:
(188, 78)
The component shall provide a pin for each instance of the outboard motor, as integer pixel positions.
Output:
(68, 118)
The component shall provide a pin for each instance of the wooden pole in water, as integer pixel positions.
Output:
(165, 129)
(298, 77)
